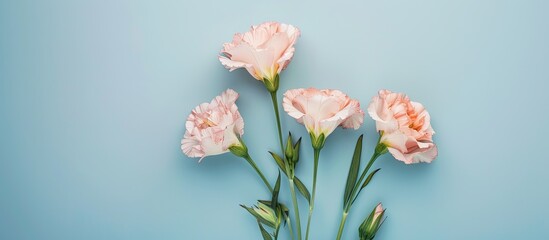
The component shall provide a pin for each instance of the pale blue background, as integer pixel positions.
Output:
(94, 95)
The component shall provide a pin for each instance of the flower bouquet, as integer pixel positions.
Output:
(217, 127)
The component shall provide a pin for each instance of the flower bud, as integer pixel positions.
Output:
(289, 152)
(266, 215)
(368, 228)
(295, 157)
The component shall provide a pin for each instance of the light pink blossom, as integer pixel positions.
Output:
(405, 127)
(213, 127)
(322, 111)
(264, 51)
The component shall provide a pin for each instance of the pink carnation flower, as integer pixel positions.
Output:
(405, 127)
(322, 111)
(213, 127)
(264, 51)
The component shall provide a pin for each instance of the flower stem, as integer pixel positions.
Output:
(296, 208)
(341, 225)
(274, 99)
(252, 163)
(312, 204)
(289, 222)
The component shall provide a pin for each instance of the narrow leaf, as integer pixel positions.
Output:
(296, 150)
(366, 182)
(279, 162)
(369, 178)
(264, 233)
(353, 171)
(274, 200)
(302, 189)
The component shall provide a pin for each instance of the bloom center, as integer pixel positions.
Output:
(205, 121)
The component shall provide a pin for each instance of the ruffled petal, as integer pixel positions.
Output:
(264, 51)
(356, 117)
(418, 155)
(322, 111)
(396, 140)
(295, 110)
(380, 112)
(212, 127)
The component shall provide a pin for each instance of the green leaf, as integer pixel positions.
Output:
(369, 178)
(366, 182)
(302, 189)
(264, 233)
(279, 162)
(353, 171)
(296, 151)
(274, 200)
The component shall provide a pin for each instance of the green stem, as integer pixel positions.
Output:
(312, 204)
(275, 108)
(341, 225)
(289, 222)
(252, 163)
(296, 208)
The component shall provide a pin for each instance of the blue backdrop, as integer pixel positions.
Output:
(94, 96)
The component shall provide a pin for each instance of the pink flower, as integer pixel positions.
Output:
(405, 127)
(322, 111)
(264, 51)
(213, 127)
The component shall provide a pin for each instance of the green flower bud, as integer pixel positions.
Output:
(268, 216)
(295, 156)
(368, 228)
(289, 152)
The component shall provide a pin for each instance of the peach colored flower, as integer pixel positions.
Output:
(264, 51)
(213, 127)
(405, 127)
(322, 111)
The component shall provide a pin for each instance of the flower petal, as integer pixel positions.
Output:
(213, 127)
(322, 111)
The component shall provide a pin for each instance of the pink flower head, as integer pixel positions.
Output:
(322, 111)
(213, 127)
(264, 51)
(405, 127)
